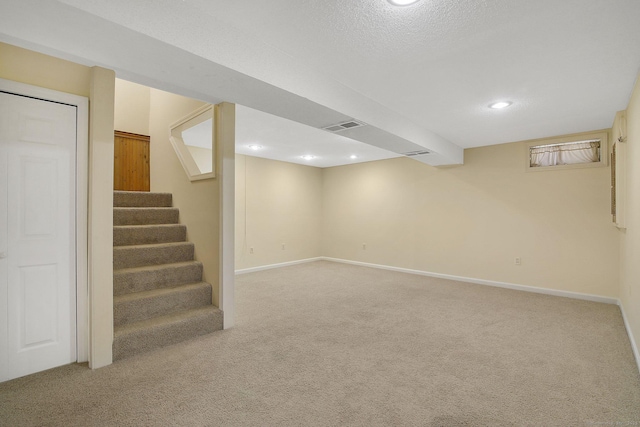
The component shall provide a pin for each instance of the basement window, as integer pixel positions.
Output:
(578, 151)
(192, 140)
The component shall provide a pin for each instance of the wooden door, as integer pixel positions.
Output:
(37, 235)
(131, 162)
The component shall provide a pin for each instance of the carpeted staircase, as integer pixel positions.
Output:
(159, 296)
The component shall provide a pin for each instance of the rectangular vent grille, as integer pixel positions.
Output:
(343, 126)
(416, 153)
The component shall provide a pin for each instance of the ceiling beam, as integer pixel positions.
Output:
(206, 59)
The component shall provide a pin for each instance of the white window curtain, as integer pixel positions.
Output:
(570, 153)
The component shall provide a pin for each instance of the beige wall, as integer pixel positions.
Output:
(25, 66)
(198, 201)
(630, 238)
(474, 220)
(97, 84)
(132, 105)
(203, 158)
(276, 203)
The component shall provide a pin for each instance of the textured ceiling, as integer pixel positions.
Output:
(422, 74)
(567, 65)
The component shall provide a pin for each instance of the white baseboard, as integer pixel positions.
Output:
(534, 289)
(634, 345)
(282, 264)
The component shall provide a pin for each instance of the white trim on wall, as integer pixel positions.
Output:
(82, 173)
(282, 264)
(525, 288)
(82, 228)
(534, 289)
(634, 344)
(187, 160)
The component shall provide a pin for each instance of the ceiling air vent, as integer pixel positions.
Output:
(416, 153)
(343, 126)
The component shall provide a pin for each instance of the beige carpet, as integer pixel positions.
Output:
(336, 345)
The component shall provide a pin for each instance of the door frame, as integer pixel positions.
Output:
(81, 194)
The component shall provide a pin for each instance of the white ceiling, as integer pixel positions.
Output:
(264, 135)
(287, 141)
(567, 65)
(420, 76)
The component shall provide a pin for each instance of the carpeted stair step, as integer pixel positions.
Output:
(145, 216)
(159, 302)
(159, 296)
(146, 335)
(150, 277)
(125, 235)
(163, 253)
(141, 199)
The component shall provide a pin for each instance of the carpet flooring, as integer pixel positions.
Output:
(328, 344)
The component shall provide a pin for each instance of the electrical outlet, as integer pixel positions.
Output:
(251, 251)
(364, 246)
(518, 261)
(283, 247)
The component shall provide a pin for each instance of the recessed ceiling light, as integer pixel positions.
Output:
(308, 157)
(353, 156)
(501, 104)
(255, 147)
(403, 2)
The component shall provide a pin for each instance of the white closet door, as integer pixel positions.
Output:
(37, 235)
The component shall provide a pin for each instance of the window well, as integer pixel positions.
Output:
(585, 150)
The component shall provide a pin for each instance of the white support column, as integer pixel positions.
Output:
(101, 217)
(225, 126)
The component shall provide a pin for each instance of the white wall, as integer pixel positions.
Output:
(276, 203)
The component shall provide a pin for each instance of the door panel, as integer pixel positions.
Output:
(37, 276)
(38, 300)
(131, 162)
(38, 204)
